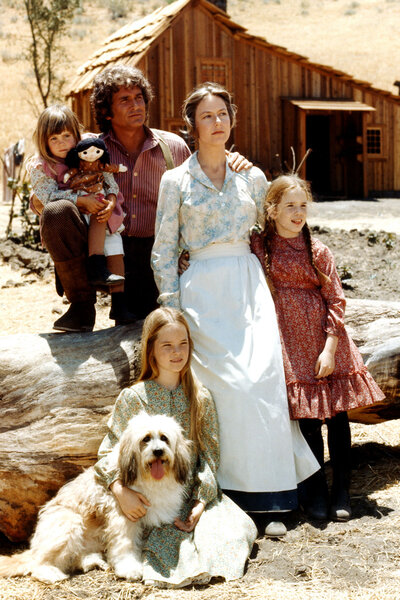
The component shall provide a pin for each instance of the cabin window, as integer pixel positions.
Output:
(217, 70)
(374, 141)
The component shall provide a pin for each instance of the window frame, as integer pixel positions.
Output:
(375, 155)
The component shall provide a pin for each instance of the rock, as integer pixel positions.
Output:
(27, 259)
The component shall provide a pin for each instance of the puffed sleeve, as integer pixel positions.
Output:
(127, 405)
(165, 253)
(332, 292)
(45, 188)
(206, 487)
(259, 188)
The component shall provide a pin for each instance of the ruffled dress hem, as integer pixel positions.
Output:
(333, 395)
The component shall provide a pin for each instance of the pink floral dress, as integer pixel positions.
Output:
(306, 313)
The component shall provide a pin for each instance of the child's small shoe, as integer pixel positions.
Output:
(98, 274)
(119, 311)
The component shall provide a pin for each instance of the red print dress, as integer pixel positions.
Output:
(306, 313)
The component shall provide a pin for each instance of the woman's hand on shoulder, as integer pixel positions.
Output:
(237, 162)
(133, 504)
(192, 518)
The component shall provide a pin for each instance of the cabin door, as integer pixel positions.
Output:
(335, 165)
(318, 165)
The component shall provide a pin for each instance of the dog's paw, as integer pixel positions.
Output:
(48, 574)
(129, 568)
(93, 561)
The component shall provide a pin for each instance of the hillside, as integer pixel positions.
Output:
(360, 38)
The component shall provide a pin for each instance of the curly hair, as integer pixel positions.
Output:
(197, 95)
(110, 81)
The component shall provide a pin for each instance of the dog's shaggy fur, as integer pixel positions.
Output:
(83, 522)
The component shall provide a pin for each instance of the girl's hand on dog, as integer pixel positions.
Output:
(192, 519)
(132, 504)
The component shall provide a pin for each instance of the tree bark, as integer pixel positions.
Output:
(58, 390)
(375, 328)
(56, 394)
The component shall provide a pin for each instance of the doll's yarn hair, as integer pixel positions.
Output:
(192, 387)
(54, 120)
(108, 82)
(72, 159)
(276, 190)
(197, 95)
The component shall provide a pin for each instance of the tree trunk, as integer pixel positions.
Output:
(58, 390)
(375, 328)
(56, 394)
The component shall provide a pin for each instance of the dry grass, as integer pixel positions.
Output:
(358, 560)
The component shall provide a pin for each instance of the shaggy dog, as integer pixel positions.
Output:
(83, 522)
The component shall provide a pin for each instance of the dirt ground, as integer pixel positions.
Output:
(329, 561)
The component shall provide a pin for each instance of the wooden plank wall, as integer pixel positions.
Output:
(260, 78)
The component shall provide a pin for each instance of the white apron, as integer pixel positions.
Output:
(237, 356)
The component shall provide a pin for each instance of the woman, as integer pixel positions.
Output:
(207, 209)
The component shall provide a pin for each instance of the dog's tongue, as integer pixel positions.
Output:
(157, 469)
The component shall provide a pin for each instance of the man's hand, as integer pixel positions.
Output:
(105, 213)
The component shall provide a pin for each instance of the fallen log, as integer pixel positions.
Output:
(58, 390)
(375, 328)
(56, 394)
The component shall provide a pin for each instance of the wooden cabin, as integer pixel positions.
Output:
(284, 100)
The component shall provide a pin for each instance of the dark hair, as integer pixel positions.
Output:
(197, 95)
(109, 82)
(72, 159)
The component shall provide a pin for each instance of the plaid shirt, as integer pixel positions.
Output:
(139, 185)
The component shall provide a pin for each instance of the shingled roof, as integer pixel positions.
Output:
(130, 43)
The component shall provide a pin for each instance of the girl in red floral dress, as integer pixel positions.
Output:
(325, 373)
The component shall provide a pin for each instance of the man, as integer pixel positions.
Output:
(120, 101)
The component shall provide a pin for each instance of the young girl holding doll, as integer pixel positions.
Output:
(325, 373)
(57, 132)
(213, 537)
